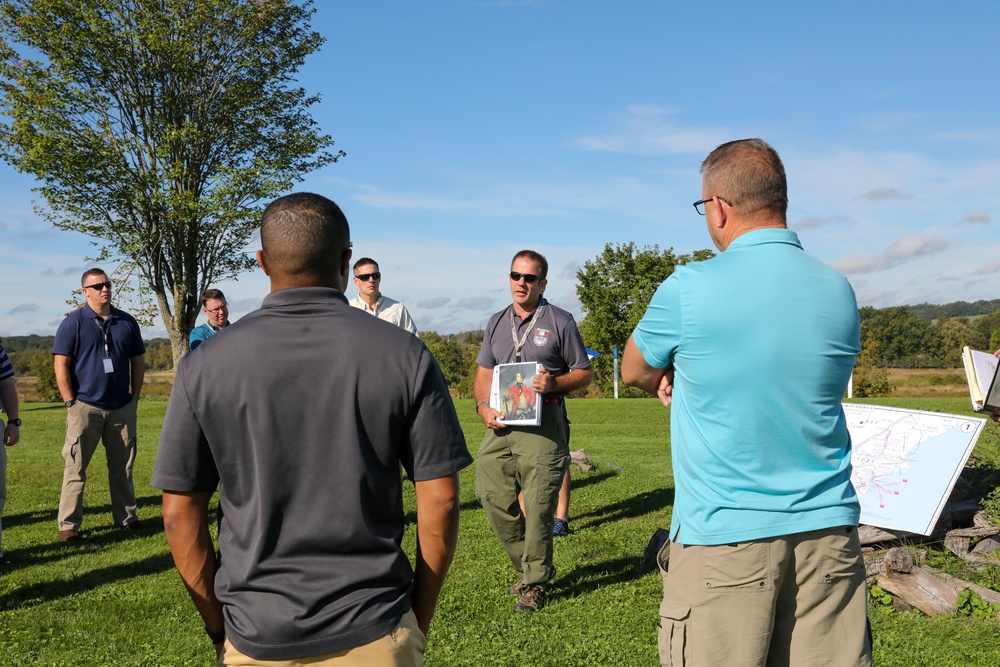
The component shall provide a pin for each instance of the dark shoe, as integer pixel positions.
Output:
(135, 525)
(68, 536)
(516, 589)
(532, 598)
(560, 528)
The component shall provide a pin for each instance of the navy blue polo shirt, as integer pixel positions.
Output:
(87, 339)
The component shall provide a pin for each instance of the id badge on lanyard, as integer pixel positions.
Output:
(109, 365)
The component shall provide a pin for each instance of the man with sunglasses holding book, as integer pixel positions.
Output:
(99, 366)
(369, 299)
(528, 459)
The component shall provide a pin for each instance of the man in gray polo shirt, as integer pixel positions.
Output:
(306, 446)
(532, 459)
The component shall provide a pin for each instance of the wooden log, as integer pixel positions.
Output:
(979, 531)
(987, 548)
(915, 587)
(871, 535)
(961, 584)
(957, 544)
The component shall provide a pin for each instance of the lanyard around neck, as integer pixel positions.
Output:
(519, 344)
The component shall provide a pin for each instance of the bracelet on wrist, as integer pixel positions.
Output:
(480, 404)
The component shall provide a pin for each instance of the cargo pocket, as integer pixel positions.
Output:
(674, 639)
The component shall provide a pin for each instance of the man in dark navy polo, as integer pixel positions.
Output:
(99, 369)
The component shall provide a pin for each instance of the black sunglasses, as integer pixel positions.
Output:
(529, 278)
(98, 286)
(363, 277)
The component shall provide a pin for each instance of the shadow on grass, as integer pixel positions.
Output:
(147, 506)
(45, 592)
(589, 578)
(582, 480)
(640, 505)
(91, 540)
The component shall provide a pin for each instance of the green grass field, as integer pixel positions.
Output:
(114, 598)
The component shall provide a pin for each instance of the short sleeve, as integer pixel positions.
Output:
(184, 462)
(658, 333)
(437, 444)
(574, 351)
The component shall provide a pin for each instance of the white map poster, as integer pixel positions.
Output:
(906, 463)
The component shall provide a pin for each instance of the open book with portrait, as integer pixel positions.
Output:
(984, 381)
(513, 396)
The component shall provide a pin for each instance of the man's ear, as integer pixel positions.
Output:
(345, 263)
(721, 213)
(261, 263)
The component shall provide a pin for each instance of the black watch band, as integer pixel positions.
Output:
(70, 403)
(15, 422)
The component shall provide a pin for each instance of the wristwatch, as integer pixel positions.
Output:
(15, 422)
(70, 403)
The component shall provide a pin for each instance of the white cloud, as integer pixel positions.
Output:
(991, 267)
(977, 217)
(816, 221)
(647, 130)
(881, 194)
(433, 303)
(897, 253)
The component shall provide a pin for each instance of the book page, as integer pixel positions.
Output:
(980, 369)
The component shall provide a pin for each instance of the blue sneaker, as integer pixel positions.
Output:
(560, 528)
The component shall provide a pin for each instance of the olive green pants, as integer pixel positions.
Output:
(532, 460)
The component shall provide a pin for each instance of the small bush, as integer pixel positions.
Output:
(42, 367)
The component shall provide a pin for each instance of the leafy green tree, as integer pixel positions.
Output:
(989, 327)
(456, 355)
(158, 127)
(902, 337)
(43, 368)
(949, 337)
(870, 379)
(614, 290)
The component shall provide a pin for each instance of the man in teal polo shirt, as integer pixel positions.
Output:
(215, 307)
(755, 348)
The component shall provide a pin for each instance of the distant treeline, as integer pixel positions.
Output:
(929, 312)
(922, 336)
(28, 352)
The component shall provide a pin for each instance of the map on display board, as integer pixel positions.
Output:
(906, 463)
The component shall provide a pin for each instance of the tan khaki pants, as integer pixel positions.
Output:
(87, 425)
(791, 600)
(403, 647)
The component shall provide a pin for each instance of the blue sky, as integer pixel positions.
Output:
(474, 129)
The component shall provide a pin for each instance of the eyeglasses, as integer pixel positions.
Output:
(216, 311)
(700, 205)
(529, 278)
(98, 286)
(363, 277)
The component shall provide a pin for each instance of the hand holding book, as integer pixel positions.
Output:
(984, 381)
